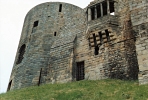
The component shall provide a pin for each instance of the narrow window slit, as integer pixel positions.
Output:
(95, 44)
(112, 8)
(107, 35)
(92, 13)
(100, 35)
(21, 54)
(104, 4)
(55, 33)
(39, 82)
(98, 11)
(60, 8)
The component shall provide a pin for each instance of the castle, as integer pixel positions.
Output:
(62, 43)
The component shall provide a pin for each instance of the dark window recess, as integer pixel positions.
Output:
(89, 43)
(9, 85)
(80, 71)
(39, 82)
(95, 42)
(60, 8)
(92, 13)
(98, 11)
(96, 50)
(100, 35)
(21, 54)
(107, 35)
(112, 9)
(35, 24)
(55, 33)
(96, 46)
(104, 4)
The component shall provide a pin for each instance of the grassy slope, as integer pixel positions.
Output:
(82, 90)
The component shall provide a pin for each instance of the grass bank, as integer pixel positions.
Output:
(82, 90)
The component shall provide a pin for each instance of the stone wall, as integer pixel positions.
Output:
(142, 51)
(45, 41)
(139, 16)
(117, 57)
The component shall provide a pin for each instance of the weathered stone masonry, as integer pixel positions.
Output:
(139, 17)
(61, 43)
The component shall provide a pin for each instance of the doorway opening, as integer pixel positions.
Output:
(80, 71)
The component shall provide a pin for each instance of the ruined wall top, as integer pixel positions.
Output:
(96, 1)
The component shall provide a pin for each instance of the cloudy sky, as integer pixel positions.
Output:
(12, 14)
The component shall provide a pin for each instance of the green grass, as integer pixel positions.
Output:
(82, 90)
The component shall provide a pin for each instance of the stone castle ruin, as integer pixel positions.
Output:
(61, 43)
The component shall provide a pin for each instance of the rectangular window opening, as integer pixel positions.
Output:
(60, 8)
(95, 42)
(21, 54)
(96, 46)
(104, 4)
(98, 11)
(96, 50)
(112, 8)
(92, 13)
(80, 71)
(100, 35)
(35, 24)
(107, 35)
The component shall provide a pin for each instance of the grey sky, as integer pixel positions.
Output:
(12, 14)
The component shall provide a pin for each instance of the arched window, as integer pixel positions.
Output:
(9, 85)
(21, 54)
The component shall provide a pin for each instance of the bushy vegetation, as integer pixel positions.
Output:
(82, 90)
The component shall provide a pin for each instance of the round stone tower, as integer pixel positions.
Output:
(61, 43)
(46, 27)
